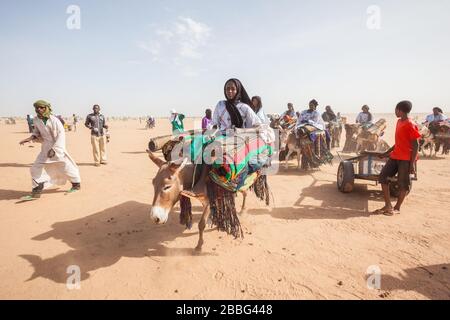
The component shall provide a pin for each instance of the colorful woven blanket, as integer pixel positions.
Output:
(235, 160)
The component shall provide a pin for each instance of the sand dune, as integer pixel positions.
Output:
(313, 242)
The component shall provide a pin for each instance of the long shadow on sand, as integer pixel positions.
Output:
(436, 158)
(102, 239)
(16, 195)
(295, 171)
(334, 204)
(86, 164)
(15, 165)
(431, 281)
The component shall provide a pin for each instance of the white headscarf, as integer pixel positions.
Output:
(174, 116)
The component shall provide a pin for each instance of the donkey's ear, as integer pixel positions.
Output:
(155, 159)
(176, 168)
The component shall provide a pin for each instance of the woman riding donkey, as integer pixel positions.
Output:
(238, 111)
(235, 165)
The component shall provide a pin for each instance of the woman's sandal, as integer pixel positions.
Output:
(28, 198)
(189, 194)
(386, 212)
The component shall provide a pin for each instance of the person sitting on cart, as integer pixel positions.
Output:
(329, 115)
(365, 118)
(290, 112)
(433, 120)
(311, 116)
(288, 117)
(402, 158)
(310, 121)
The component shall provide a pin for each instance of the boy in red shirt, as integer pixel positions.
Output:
(402, 158)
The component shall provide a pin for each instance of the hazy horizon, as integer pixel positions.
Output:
(352, 116)
(146, 57)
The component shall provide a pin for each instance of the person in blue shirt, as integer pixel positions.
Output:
(432, 120)
(311, 116)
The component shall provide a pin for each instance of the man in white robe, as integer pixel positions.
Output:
(53, 165)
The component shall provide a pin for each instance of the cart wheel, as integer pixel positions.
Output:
(345, 177)
(394, 190)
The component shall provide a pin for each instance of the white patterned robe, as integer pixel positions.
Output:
(60, 168)
(222, 119)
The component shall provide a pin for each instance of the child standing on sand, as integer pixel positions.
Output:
(402, 158)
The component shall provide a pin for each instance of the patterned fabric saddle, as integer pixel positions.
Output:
(236, 160)
(234, 164)
(314, 144)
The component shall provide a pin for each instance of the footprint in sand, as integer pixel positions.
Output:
(218, 276)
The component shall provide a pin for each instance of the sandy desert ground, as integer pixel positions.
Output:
(312, 242)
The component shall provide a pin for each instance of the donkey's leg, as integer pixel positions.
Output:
(244, 197)
(201, 227)
(286, 161)
(243, 213)
(430, 145)
(357, 146)
(299, 156)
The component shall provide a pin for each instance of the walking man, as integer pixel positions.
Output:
(53, 165)
(30, 123)
(96, 122)
(75, 121)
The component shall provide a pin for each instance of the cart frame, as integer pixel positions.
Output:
(366, 166)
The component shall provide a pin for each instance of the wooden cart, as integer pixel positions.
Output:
(366, 166)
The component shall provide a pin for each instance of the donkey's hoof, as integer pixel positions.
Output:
(198, 249)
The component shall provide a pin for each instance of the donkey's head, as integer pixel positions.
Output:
(333, 125)
(167, 186)
(287, 137)
(275, 122)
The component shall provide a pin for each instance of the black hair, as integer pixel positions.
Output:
(404, 106)
(314, 102)
(438, 109)
(259, 106)
(241, 96)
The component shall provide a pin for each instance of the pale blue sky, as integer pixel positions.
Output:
(140, 57)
